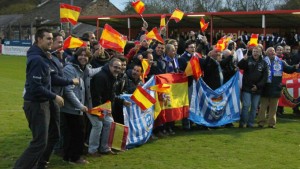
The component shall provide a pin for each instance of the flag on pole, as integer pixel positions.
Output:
(203, 25)
(154, 34)
(218, 107)
(253, 40)
(138, 6)
(69, 13)
(162, 21)
(72, 42)
(146, 68)
(220, 46)
(193, 68)
(112, 39)
(98, 109)
(162, 88)
(142, 98)
(177, 15)
(117, 136)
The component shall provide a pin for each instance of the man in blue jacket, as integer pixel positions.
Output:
(37, 94)
(58, 81)
(271, 91)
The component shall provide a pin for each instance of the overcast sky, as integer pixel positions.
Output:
(119, 3)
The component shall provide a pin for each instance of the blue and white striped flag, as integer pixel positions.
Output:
(218, 107)
(140, 123)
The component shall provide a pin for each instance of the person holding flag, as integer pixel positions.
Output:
(76, 104)
(103, 89)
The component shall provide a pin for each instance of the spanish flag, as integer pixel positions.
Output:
(98, 109)
(142, 98)
(69, 13)
(112, 39)
(162, 21)
(253, 40)
(117, 136)
(146, 69)
(177, 15)
(220, 46)
(161, 88)
(203, 25)
(193, 68)
(154, 34)
(174, 105)
(72, 42)
(138, 6)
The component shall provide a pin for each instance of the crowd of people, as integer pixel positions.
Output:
(63, 85)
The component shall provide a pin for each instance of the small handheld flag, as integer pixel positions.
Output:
(112, 39)
(72, 42)
(154, 34)
(138, 6)
(69, 13)
(203, 25)
(177, 15)
(142, 98)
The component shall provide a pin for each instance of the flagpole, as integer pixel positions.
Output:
(142, 18)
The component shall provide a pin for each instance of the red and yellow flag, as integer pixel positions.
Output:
(138, 6)
(146, 68)
(220, 46)
(173, 105)
(154, 34)
(98, 109)
(72, 42)
(177, 15)
(162, 21)
(193, 68)
(203, 25)
(142, 98)
(161, 88)
(112, 39)
(69, 13)
(117, 136)
(253, 40)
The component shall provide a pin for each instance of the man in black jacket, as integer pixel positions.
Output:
(103, 89)
(37, 94)
(254, 78)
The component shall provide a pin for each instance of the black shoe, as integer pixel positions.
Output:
(248, 126)
(273, 127)
(229, 125)
(109, 153)
(260, 126)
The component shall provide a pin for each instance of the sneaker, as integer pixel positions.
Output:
(79, 161)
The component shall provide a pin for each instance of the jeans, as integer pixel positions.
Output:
(100, 131)
(38, 117)
(105, 132)
(94, 138)
(251, 101)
